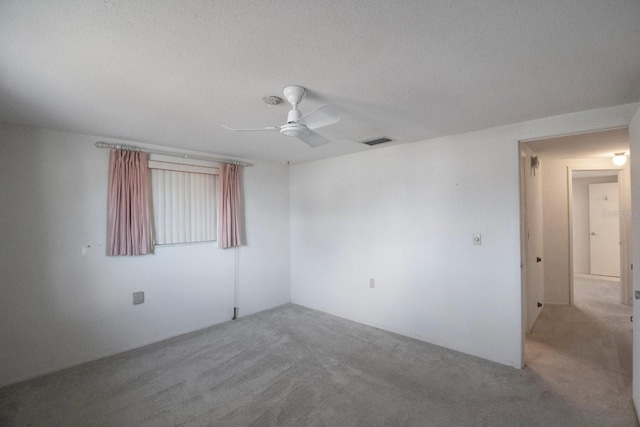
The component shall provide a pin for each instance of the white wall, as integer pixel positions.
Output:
(264, 263)
(534, 249)
(634, 142)
(581, 239)
(59, 308)
(626, 238)
(581, 228)
(404, 215)
(555, 196)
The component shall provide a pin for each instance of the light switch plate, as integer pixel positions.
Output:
(477, 238)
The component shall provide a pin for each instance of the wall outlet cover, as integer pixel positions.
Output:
(138, 298)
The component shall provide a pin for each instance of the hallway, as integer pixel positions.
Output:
(584, 352)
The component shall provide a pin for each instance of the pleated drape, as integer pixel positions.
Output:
(230, 206)
(128, 219)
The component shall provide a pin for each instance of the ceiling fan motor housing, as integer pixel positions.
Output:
(294, 129)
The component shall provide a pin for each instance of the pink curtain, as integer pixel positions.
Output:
(128, 212)
(230, 207)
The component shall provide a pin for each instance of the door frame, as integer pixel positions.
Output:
(523, 247)
(621, 119)
(625, 243)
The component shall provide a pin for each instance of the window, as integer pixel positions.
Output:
(184, 199)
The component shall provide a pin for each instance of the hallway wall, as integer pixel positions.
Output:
(634, 141)
(557, 269)
(533, 236)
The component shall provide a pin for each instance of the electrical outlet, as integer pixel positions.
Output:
(372, 283)
(138, 298)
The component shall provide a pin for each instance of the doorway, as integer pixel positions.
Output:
(582, 334)
(595, 211)
(549, 253)
(558, 158)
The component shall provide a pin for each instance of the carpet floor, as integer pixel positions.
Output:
(299, 367)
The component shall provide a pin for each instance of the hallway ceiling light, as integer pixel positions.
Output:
(619, 159)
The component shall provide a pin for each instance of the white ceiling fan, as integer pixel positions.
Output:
(302, 126)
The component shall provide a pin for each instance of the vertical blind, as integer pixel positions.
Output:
(184, 203)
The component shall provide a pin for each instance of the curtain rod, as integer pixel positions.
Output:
(101, 144)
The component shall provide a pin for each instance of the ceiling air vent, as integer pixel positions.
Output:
(376, 141)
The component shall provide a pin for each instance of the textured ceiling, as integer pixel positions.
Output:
(172, 72)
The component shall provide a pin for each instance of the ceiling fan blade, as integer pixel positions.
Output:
(252, 130)
(313, 139)
(324, 115)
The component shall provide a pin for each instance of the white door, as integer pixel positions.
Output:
(604, 224)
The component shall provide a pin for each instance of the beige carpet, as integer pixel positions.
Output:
(299, 367)
(584, 351)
